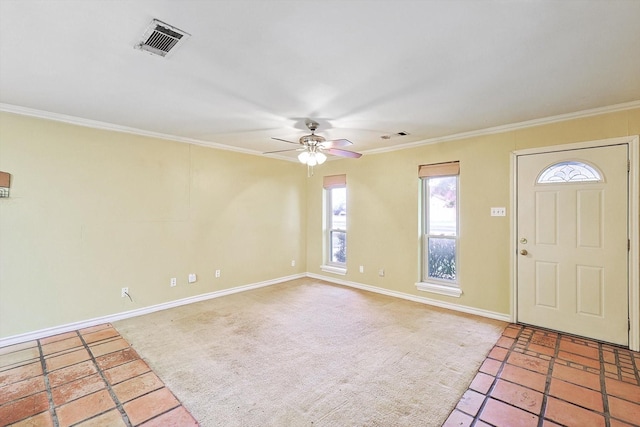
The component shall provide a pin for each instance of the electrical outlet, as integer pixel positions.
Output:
(381, 272)
(498, 211)
(124, 292)
(293, 263)
(217, 273)
(192, 277)
(173, 282)
(362, 269)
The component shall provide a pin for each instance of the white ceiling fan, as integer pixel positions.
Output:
(314, 148)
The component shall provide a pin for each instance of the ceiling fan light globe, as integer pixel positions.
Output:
(303, 157)
(312, 160)
(321, 158)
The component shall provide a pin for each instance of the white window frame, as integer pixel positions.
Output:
(430, 284)
(329, 265)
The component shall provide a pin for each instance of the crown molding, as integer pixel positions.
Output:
(95, 124)
(475, 133)
(511, 127)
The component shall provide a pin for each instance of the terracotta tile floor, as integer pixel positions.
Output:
(531, 377)
(90, 377)
(535, 377)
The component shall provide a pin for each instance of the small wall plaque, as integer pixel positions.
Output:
(5, 183)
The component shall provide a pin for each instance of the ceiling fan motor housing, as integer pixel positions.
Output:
(311, 139)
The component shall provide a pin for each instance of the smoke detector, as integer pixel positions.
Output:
(161, 38)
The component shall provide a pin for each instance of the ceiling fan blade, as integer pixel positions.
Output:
(282, 151)
(337, 143)
(284, 140)
(343, 153)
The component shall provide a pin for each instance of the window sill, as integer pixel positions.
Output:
(439, 289)
(333, 269)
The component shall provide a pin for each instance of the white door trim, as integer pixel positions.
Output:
(634, 224)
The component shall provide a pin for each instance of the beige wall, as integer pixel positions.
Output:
(92, 211)
(383, 202)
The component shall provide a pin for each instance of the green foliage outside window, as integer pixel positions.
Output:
(340, 255)
(442, 259)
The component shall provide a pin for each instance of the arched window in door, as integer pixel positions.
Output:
(569, 171)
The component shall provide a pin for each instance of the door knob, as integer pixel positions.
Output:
(523, 252)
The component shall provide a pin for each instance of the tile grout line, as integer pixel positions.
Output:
(119, 405)
(164, 386)
(47, 384)
(521, 345)
(51, 406)
(616, 360)
(547, 384)
(487, 395)
(603, 388)
(633, 366)
(162, 413)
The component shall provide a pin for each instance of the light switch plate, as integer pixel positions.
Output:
(498, 211)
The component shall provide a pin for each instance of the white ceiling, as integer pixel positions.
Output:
(253, 70)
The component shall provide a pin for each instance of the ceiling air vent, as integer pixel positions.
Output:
(160, 38)
(394, 135)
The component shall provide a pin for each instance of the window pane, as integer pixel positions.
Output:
(442, 206)
(442, 258)
(569, 172)
(339, 208)
(338, 246)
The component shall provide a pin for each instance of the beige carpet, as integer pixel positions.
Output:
(309, 353)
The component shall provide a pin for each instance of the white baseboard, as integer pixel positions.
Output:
(414, 298)
(29, 336)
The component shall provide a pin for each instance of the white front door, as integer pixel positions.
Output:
(572, 220)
